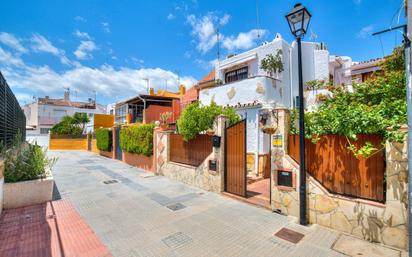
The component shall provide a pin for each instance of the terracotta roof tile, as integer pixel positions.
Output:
(209, 77)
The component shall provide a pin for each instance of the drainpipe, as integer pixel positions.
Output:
(144, 108)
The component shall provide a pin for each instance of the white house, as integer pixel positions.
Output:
(45, 112)
(252, 91)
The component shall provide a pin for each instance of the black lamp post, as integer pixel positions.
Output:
(298, 19)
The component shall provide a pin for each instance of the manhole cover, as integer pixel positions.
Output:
(289, 235)
(176, 240)
(176, 206)
(107, 182)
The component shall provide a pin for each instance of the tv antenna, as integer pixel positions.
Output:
(257, 19)
(147, 81)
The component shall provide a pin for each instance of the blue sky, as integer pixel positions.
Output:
(111, 46)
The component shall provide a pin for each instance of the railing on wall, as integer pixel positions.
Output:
(192, 153)
(12, 118)
(331, 163)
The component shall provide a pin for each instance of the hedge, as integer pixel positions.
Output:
(137, 139)
(104, 139)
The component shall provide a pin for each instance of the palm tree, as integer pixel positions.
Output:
(80, 118)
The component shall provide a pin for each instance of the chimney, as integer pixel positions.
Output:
(151, 91)
(67, 95)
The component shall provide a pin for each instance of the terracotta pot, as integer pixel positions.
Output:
(210, 132)
(164, 127)
(269, 130)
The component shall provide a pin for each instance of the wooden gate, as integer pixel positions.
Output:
(235, 165)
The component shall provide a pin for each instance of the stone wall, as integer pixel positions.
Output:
(199, 176)
(385, 223)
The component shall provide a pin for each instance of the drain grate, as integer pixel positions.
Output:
(176, 206)
(176, 240)
(112, 181)
(289, 235)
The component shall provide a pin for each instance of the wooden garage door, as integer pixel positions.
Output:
(235, 169)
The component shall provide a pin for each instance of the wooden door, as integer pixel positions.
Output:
(235, 166)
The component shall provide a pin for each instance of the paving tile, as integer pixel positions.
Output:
(131, 218)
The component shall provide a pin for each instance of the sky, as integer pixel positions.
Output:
(111, 48)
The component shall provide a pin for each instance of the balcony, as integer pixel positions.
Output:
(262, 89)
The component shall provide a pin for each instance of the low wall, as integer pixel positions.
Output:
(200, 176)
(139, 161)
(27, 193)
(385, 223)
(67, 144)
(106, 154)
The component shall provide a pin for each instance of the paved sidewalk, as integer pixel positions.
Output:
(133, 215)
(53, 229)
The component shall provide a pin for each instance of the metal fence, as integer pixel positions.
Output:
(12, 118)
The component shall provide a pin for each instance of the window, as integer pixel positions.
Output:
(44, 130)
(236, 75)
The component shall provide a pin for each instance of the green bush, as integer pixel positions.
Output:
(24, 161)
(196, 118)
(137, 139)
(104, 139)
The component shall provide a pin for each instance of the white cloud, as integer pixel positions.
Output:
(9, 60)
(365, 31)
(105, 80)
(80, 19)
(11, 41)
(106, 27)
(171, 16)
(41, 44)
(203, 29)
(82, 35)
(243, 40)
(83, 51)
(224, 20)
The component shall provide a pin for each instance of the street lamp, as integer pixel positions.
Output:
(298, 19)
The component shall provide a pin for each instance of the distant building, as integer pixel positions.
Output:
(147, 108)
(45, 112)
(362, 71)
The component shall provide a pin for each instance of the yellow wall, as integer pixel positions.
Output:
(103, 121)
(68, 144)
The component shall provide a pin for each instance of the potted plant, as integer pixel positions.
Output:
(164, 118)
(269, 129)
(272, 64)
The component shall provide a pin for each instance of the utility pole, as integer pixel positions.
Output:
(408, 59)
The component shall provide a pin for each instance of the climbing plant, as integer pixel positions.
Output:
(196, 118)
(376, 106)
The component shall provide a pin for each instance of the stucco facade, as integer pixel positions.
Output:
(260, 91)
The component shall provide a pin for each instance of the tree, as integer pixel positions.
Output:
(272, 64)
(80, 118)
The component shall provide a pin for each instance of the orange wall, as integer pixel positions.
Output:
(191, 95)
(68, 144)
(103, 121)
(139, 160)
(153, 112)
